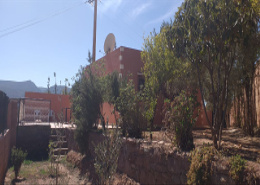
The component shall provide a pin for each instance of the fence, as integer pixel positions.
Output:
(3, 111)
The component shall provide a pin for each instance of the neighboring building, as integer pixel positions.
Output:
(59, 106)
(128, 63)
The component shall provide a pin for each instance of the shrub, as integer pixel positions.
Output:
(237, 169)
(180, 118)
(200, 169)
(17, 158)
(107, 153)
(131, 109)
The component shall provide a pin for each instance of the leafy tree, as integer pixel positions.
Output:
(208, 34)
(247, 64)
(165, 75)
(86, 103)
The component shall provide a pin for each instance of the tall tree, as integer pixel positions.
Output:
(247, 63)
(165, 75)
(208, 34)
(86, 102)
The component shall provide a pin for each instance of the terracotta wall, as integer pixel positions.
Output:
(201, 120)
(8, 140)
(59, 103)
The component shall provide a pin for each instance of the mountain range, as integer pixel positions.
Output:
(17, 89)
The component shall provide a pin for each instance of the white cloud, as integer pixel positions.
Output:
(109, 5)
(140, 9)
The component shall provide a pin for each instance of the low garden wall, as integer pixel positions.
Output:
(35, 140)
(4, 154)
(8, 139)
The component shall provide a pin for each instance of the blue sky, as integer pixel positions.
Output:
(60, 40)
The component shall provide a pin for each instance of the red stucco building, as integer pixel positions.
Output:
(128, 63)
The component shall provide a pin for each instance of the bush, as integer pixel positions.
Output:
(180, 118)
(200, 169)
(237, 169)
(131, 108)
(17, 158)
(107, 153)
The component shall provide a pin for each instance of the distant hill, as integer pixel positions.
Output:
(17, 89)
(60, 89)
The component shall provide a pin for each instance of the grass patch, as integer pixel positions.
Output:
(43, 172)
(27, 162)
(31, 169)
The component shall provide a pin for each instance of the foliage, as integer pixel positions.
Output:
(200, 169)
(107, 153)
(129, 104)
(165, 74)
(86, 102)
(17, 158)
(180, 118)
(237, 168)
(111, 85)
(210, 35)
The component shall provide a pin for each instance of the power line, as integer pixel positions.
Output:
(30, 23)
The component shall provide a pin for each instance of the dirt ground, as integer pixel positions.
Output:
(234, 141)
(39, 172)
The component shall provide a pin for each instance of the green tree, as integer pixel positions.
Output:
(247, 63)
(86, 103)
(208, 34)
(165, 74)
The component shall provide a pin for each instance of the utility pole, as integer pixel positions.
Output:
(94, 29)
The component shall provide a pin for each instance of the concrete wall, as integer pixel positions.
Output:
(35, 140)
(8, 140)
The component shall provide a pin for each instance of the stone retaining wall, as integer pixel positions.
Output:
(159, 163)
